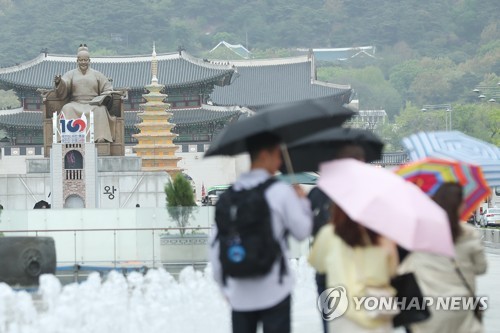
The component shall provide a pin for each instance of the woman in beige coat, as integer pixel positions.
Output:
(437, 275)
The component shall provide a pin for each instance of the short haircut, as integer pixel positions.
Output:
(351, 150)
(262, 141)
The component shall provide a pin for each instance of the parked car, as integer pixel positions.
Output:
(472, 219)
(490, 217)
(213, 194)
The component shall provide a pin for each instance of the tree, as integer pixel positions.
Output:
(372, 89)
(8, 100)
(180, 201)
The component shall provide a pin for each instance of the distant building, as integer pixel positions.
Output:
(342, 54)
(368, 119)
(237, 49)
(204, 95)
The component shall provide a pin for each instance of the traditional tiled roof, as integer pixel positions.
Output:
(205, 114)
(23, 119)
(237, 49)
(191, 116)
(341, 54)
(134, 72)
(258, 83)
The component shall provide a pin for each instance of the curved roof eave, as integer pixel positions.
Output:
(192, 116)
(175, 70)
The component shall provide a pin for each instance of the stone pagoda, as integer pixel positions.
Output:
(155, 139)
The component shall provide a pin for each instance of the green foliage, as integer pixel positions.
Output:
(3, 134)
(8, 100)
(433, 28)
(179, 192)
(271, 53)
(180, 201)
(388, 132)
(373, 91)
(402, 76)
(480, 120)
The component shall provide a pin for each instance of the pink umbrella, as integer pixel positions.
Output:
(386, 203)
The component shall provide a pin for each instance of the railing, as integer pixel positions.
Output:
(70, 243)
(393, 159)
(74, 174)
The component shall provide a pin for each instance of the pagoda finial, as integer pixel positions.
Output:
(154, 66)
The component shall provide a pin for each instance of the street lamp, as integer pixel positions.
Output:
(492, 93)
(444, 107)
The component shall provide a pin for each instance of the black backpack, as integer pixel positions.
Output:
(248, 247)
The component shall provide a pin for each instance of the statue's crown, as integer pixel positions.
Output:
(83, 47)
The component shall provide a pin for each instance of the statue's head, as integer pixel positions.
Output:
(83, 57)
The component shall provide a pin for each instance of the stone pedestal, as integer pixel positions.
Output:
(103, 149)
(24, 259)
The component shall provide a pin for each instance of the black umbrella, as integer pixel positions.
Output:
(307, 153)
(289, 121)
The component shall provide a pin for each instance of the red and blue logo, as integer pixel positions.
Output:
(73, 125)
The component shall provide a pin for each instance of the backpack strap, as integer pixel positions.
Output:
(231, 188)
(264, 185)
(283, 269)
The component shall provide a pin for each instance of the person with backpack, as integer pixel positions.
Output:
(248, 253)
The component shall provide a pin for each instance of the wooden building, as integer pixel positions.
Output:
(204, 95)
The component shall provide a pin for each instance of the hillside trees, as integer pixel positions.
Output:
(373, 91)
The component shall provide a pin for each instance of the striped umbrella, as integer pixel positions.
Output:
(430, 173)
(454, 145)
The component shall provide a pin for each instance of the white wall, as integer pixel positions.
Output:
(213, 170)
(146, 189)
(22, 191)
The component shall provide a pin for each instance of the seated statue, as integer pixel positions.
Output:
(87, 90)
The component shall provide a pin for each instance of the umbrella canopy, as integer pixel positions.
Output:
(307, 153)
(430, 173)
(289, 121)
(457, 146)
(387, 204)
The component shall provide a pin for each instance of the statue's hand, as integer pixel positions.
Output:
(57, 79)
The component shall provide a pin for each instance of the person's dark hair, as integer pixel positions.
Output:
(351, 150)
(449, 196)
(260, 142)
(350, 231)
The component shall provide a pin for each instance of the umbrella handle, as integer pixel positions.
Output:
(288, 162)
